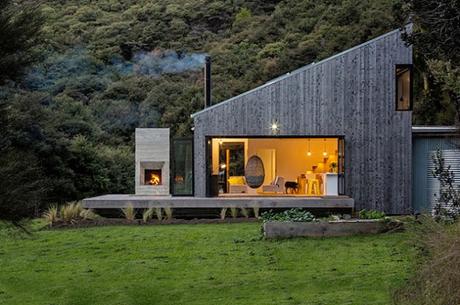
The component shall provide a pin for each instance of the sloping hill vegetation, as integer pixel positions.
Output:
(110, 66)
(250, 42)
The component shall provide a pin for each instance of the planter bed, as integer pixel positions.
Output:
(278, 229)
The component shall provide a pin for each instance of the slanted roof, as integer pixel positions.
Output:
(306, 67)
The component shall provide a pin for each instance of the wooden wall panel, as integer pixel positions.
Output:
(351, 95)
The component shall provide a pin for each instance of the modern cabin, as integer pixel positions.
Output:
(345, 120)
(335, 134)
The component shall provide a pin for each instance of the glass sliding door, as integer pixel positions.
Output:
(182, 167)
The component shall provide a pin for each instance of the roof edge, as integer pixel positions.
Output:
(434, 129)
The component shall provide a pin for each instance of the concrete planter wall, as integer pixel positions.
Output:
(275, 229)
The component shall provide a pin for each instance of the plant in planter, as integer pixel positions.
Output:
(371, 214)
(292, 215)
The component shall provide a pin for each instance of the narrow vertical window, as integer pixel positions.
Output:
(404, 80)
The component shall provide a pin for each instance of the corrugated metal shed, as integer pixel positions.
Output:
(426, 141)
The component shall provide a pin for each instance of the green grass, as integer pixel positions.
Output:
(198, 264)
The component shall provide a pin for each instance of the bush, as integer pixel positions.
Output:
(223, 213)
(256, 210)
(88, 214)
(71, 212)
(296, 215)
(148, 214)
(447, 205)
(168, 213)
(436, 279)
(234, 212)
(159, 213)
(51, 215)
(244, 212)
(371, 214)
(129, 212)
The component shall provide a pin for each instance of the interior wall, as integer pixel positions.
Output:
(291, 154)
(268, 157)
(288, 156)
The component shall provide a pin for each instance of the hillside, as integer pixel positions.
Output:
(111, 66)
(250, 42)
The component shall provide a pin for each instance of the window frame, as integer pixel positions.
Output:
(173, 165)
(410, 68)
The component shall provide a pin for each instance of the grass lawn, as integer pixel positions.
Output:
(198, 264)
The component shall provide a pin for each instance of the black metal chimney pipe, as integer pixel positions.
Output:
(207, 82)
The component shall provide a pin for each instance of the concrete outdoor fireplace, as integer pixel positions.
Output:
(152, 161)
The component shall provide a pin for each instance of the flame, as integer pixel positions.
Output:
(154, 179)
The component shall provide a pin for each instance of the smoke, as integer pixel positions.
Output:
(77, 65)
(156, 63)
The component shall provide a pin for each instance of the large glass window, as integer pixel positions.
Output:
(182, 167)
(403, 87)
(285, 166)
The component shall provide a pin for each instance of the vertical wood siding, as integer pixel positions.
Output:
(351, 94)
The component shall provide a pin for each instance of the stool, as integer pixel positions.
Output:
(313, 186)
(302, 183)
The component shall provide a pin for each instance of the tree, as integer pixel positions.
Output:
(22, 184)
(436, 37)
(20, 189)
(20, 28)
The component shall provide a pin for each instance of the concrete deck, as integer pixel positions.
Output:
(138, 201)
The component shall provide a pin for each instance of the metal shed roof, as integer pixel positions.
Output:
(424, 129)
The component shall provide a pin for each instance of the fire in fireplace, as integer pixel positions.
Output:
(152, 177)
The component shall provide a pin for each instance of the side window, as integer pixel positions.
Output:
(404, 82)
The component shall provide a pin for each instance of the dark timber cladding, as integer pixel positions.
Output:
(351, 95)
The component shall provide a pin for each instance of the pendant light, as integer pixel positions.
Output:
(324, 148)
(308, 151)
